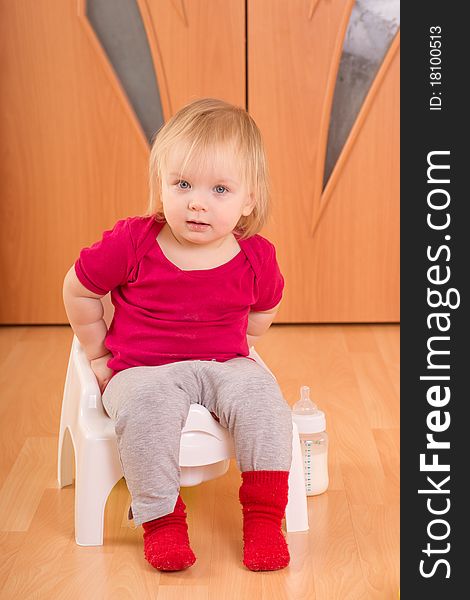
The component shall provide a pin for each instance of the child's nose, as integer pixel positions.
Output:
(197, 204)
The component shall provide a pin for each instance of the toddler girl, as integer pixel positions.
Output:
(190, 281)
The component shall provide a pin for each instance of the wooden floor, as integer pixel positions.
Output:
(351, 550)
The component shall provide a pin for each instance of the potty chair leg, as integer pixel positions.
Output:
(296, 509)
(95, 478)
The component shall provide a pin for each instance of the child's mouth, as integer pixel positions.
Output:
(197, 226)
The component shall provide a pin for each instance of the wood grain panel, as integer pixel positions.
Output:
(347, 271)
(355, 248)
(388, 446)
(335, 557)
(32, 472)
(198, 48)
(377, 533)
(350, 551)
(74, 157)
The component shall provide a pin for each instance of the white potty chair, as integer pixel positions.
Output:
(87, 433)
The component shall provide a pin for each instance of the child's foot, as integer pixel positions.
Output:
(166, 541)
(263, 495)
(265, 548)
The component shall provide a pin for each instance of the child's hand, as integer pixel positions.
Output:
(102, 372)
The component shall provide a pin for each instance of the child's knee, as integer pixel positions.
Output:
(154, 404)
(260, 397)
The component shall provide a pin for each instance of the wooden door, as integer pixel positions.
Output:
(75, 153)
(338, 247)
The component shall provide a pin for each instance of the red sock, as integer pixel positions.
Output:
(166, 541)
(263, 495)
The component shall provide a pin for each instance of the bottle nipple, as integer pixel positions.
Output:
(305, 405)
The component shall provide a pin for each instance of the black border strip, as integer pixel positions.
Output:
(433, 128)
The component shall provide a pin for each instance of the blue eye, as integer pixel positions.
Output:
(218, 187)
(184, 185)
(182, 181)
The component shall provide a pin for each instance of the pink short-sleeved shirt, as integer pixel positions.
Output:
(163, 314)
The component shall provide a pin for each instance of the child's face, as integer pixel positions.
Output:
(213, 195)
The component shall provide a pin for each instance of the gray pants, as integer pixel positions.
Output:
(149, 407)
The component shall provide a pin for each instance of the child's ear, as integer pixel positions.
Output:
(249, 205)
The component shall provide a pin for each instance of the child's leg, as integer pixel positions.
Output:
(249, 402)
(166, 541)
(149, 406)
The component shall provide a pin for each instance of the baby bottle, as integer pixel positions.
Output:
(311, 424)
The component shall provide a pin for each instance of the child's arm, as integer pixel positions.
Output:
(259, 323)
(85, 314)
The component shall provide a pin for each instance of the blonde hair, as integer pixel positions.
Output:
(206, 125)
